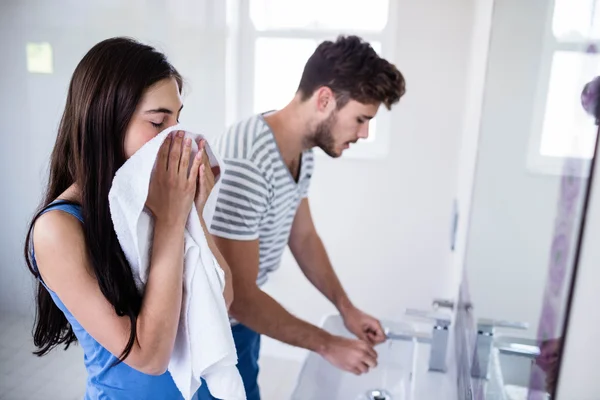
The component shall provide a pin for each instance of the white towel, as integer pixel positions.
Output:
(204, 344)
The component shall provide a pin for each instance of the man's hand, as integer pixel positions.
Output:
(350, 355)
(364, 326)
(548, 361)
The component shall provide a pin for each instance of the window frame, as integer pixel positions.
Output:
(242, 38)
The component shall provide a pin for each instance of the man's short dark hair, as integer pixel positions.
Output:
(352, 70)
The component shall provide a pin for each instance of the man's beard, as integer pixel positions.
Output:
(323, 136)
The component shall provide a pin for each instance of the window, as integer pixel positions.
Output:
(277, 68)
(567, 130)
(274, 40)
(332, 15)
(576, 20)
(561, 127)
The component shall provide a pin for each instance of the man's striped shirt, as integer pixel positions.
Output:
(258, 197)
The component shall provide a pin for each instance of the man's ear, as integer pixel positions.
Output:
(325, 99)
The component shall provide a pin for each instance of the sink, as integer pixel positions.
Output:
(392, 379)
(515, 373)
(493, 387)
(509, 379)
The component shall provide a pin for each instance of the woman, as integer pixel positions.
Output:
(121, 95)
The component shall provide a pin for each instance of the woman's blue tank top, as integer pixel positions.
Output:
(106, 380)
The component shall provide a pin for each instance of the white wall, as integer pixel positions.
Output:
(386, 224)
(31, 104)
(469, 142)
(513, 212)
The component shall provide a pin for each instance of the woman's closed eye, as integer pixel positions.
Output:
(161, 125)
(158, 125)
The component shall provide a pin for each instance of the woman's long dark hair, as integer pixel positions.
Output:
(104, 92)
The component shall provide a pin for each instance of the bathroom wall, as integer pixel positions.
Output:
(385, 222)
(513, 208)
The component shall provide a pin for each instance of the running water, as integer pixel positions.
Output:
(384, 379)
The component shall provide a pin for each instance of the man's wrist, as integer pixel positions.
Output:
(344, 306)
(322, 344)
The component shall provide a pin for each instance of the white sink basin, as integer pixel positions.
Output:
(319, 380)
(508, 379)
(515, 373)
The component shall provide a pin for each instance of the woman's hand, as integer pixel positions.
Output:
(171, 190)
(206, 183)
(206, 179)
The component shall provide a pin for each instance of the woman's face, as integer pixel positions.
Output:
(159, 109)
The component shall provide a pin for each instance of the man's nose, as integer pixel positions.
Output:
(363, 132)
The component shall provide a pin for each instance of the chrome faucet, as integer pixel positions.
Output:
(408, 336)
(438, 339)
(443, 303)
(486, 341)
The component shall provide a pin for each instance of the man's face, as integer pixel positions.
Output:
(344, 127)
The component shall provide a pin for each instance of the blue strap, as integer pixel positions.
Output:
(63, 205)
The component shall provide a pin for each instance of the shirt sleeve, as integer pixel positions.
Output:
(242, 201)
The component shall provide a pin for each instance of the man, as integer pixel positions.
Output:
(263, 204)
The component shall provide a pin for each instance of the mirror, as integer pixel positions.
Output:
(536, 144)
